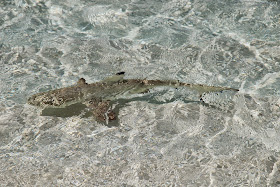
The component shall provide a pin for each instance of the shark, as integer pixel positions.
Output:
(97, 98)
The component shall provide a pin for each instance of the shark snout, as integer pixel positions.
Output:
(38, 100)
(45, 100)
(32, 100)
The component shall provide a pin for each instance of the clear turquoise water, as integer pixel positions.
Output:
(50, 44)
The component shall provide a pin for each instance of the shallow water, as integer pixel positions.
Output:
(233, 141)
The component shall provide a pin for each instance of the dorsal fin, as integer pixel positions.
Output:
(120, 73)
(118, 77)
(81, 82)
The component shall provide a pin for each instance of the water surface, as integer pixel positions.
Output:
(51, 44)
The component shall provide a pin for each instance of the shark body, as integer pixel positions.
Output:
(98, 96)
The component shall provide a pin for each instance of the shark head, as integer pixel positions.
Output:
(60, 97)
(46, 100)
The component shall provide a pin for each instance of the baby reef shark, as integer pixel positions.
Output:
(98, 96)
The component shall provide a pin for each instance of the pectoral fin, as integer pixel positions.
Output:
(102, 110)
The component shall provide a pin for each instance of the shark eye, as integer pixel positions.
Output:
(55, 101)
(48, 102)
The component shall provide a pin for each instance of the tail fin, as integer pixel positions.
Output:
(222, 99)
(201, 89)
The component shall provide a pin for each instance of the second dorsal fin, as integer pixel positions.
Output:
(118, 77)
